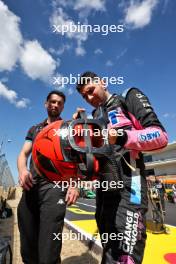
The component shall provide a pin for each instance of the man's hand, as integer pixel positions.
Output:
(25, 180)
(78, 111)
(72, 195)
(25, 177)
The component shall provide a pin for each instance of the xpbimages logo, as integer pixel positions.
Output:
(81, 132)
(74, 79)
(105, 237)
(89, 185)
(71, 28)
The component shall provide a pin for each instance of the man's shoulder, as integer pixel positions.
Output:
(33, 130)
(130, 91)
(41, 124)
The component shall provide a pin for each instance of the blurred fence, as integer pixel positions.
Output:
(6, 178)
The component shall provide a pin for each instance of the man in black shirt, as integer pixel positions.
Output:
(41, 210)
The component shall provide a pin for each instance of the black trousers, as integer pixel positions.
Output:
(41, 213)
(121, 222)
(162, 202)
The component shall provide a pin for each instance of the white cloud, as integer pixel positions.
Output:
(97, 5)
(60, 50)
(58, 62)
(52, 50)
(79, 50)
(12, 97)
(169, 115)
(90, 4)
(59, 17)
(23, 103)
(83, 9)
(98, 51)
(64, 3)
(4, 79)
(10, 38)
(36, 62)
(109, 63)
(139, 14)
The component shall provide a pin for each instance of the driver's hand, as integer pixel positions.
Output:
(78, 110)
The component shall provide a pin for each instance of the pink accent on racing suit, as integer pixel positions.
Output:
(148, 139)
(140, 138)
(145, 139)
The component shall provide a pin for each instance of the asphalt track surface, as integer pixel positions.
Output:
(86, 207)
(170, 217)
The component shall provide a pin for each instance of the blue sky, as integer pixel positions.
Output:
(144, 54)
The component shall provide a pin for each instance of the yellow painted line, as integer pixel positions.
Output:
(80, 211)
(157, 245)
(87, 225)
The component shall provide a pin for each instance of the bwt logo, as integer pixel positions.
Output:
(149, 136)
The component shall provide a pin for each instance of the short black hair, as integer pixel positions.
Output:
(59, 93)
(86, 78)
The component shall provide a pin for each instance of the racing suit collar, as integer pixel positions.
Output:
(109, 100)
(110, 95)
